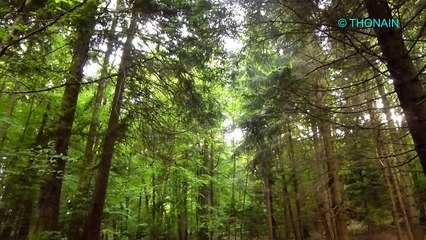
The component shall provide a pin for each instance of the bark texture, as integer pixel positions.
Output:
(334, 183)
(411, 92)
(47, 210)
(80, 201)
(93, 228)
(323, 194)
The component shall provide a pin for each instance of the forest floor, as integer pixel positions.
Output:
(385, 234)
(382, 234)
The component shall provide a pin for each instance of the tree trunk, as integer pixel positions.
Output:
(391, 200)
(406, 180)
(204, 196)
(382, 151)
(232, 211)
(183, 213)
(80, 202)
(332, 165)
(400, 200)
(47, 210)
(92, 231)
(154, 199)
(41, 139)
(334, 182)
(27, 121)
(138, 234)
(289, 208)
(389, 183)
(97, 103)
(243, 210)
(211, 187)
(269, 209)
(323, 195)
(409, 88)
(298, 202)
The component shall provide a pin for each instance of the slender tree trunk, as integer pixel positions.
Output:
(334, 183)
(382, 151)
(146, 199)
(409, 201)
(364, 198)
(154, 199)
(41, 139)
(211, 187)
(324, 205)
(47, 210)
(380, 139)
(232, 216)
(204, 196)
(406, 180)
(287, 229)
(391, 200)
(183, 213)
(27, 121)
(80, 201)
(155, 206)
(243, 210)
(410, 90)
(390, 182)
(298, 202)
(269, 208)
(97, 104)
(400, 200)
(92, 232)
(138, 219)
(337, 206)
(287, 201)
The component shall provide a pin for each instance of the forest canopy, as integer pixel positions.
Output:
(212, 119)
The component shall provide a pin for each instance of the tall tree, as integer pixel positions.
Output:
(409, 88)
(47, 211)
(301, 89)
(334, 181)
(93, 229)
(78, 214)
(405, 178)
(205, 200)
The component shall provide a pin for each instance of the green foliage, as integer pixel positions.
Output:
(52, 235)
(177, 164)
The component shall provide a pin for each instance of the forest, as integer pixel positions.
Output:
(212, 119)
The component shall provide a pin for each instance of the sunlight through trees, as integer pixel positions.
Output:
(212, 119)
